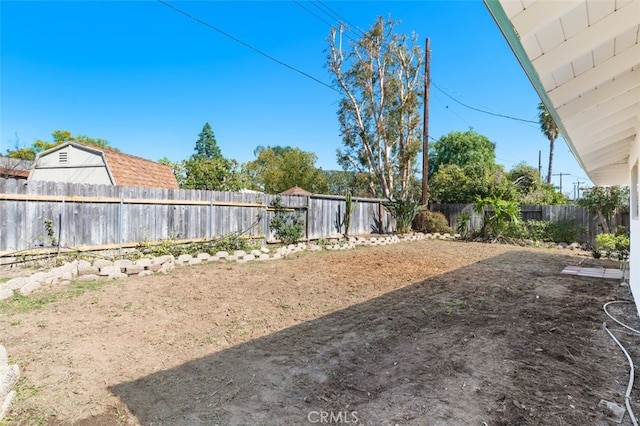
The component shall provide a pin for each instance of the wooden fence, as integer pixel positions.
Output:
(44, 214)
(551, 213)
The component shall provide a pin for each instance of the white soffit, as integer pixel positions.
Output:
(583, 58)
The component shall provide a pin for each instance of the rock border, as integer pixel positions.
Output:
(9, 375)
(101, 269)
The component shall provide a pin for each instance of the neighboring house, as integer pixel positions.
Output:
(583, 59)
(14, 168)
(76, 163)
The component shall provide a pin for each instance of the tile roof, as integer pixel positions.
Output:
(129, 170)
(14, 168)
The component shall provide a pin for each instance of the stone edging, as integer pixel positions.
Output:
(82, 270)
(9, 375)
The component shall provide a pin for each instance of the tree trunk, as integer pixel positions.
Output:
(604, 222)
(551, 144)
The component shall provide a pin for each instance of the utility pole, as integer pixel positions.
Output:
(576, 189)
(425, 129)
(540, 164)
(560, 174)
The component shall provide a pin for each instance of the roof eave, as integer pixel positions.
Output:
(511, 36)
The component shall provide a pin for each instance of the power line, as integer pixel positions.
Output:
(313, 13)
(481, 110)
(321, 18)
(247, 45)
(339, 18)
(451, 110)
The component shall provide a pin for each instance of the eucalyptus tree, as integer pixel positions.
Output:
(379, 114)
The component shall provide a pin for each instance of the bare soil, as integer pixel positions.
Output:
(421, 333)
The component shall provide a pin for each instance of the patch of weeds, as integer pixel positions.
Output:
(23, 304)
(24, 413)
(453, 306)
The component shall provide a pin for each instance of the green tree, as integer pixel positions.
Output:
(550, 129)
(178, 169)
(207, 168)
(462, 167)
(206, 145)
(59, 137)
(531, 189)
(462, 184)
(277, 169)
(341, 181)
(462, 148)
(216, 174)
(604, 201)
(526, 178)
(379, 113)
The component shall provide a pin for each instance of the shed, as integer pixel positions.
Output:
(76, 163)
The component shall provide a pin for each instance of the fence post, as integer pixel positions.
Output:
(120, 220)
(265, 224)
(211, 219)
(306, 219)
(60, 226)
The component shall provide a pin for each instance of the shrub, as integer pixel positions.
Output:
(614, 246)
(287, 226)
(562, 230)
(538, 230)
(565, 230)
(403, 211)
(503, 220)
(428, 222)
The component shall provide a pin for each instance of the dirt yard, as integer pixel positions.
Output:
(421, 333)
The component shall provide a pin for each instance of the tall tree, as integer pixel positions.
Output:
(379, 77)
(207, 168)
(550, 129)
(277, 169)
(206, 145)
(59, 137)
(461, 149)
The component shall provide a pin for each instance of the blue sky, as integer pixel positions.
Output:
(147, 78)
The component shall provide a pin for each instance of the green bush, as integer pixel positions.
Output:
(428, 222)
(287, 226)
(503, 220)
(538, 230)
(403, 211)
(612, 242)
(612, 245)
(564, 230)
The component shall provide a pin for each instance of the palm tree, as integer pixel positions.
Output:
(550, 130)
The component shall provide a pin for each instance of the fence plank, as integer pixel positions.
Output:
(86, 215)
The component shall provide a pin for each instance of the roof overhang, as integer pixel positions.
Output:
(583, 59)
